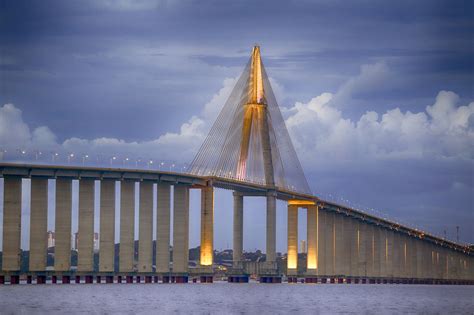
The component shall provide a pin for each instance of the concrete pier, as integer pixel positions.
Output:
(38, 223)
(62, 251)
(11, 223)
(180, 229)
(354, 247)
(163, 228)
(330, 250)
(364, 249)
(376, 242)
(127, 225)
(292, 261)
(383, 251)
(370, 258)
(271, 229)
(322, 235)
(86, 225)
(107, 225)
(238, 229)
(312, 239)
(207, 226)
(145, 235)
(389, 253)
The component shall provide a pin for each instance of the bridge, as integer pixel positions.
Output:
(249, 152)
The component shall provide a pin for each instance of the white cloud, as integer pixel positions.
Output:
(214, 106)
(322, 135)
(15, 132)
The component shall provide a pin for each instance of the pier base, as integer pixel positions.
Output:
(270, 279)
(14, 279)
(40, 279)
(311, 280)
(180, 279)
(206, 279)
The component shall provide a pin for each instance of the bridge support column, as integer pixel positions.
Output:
(238, 230)
(271, 230)
(346, 229)
(163, 228)
(330, 237)
(396, 254)
(107, 225)
(145, 250)
(354, 246)
(312, 239)
(419, 259)
(377, 249)
(406, 258)
(292, 261)
(11, 223)
(322, 242)
(62, 249)
(383, 251)
(362, 244)
(127, 225)
(389, 253)
(180, 229)
(38, 224)
(339, 257)
(207, 226)
(370, 251)
(85, 242)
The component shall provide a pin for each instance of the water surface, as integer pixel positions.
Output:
(224, 298)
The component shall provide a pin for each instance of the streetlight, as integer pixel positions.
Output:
(84, 158)
(22, 153)
(150, 163)
(112, 159)
(54, 155)
(70, 157)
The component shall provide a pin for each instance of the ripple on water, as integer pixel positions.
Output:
(236, 299)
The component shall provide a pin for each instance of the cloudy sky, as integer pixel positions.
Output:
(378, 97)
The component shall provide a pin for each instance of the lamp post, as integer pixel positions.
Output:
(54, 155)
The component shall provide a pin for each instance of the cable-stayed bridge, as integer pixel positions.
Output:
(248, 151)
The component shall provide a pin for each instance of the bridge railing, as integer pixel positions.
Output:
(70, 158)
